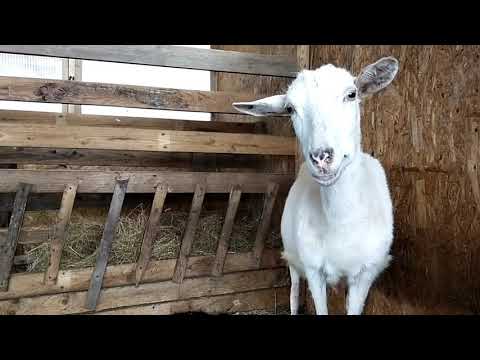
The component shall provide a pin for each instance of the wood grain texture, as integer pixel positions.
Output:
(189, 232)
(113, 218)
(128, 139)
(89, 93)
(227, 227)
(56, 244)
(73, 119)
(424, 129)
(267, 300)
(264, 226)
(167, 55)
(53, 181)
(151, 231)
(31, 284)
(29, 235)
(8, 247)
(121, 160)
(151, 293)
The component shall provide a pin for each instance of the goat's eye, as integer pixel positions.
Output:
(351, 95)
(289, 109)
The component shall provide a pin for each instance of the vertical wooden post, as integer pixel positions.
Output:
(7, 249)
(262, 231)
(303, 60)
(224, 240)
(56, 245)
(187, 241)
(106, 243)
(151, 231)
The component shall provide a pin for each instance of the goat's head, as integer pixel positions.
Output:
(324, 105)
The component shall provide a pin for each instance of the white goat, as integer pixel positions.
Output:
(338, 218)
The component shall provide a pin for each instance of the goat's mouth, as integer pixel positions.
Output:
(330, 178)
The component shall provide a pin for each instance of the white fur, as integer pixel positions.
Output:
(343, 227)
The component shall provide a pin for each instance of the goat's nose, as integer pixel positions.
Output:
(321, 156)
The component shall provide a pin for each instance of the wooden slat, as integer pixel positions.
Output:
(128, 139)
(151, 293)
(28, 235)
(151, 231)
(48, 118)
(31, 284)
(189, 233)
(265, 299)
(224, 240)
(303, 60)
(106, 243)
(264, 225)
(89, 93)
(56, 244)
(167, 55)
(8, 247)
(158, 160)
(53, 181)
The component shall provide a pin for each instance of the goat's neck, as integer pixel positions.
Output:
(341, 201)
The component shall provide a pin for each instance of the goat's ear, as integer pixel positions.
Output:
(273, 106)
(376, 76)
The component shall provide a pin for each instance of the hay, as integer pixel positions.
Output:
(85, 230)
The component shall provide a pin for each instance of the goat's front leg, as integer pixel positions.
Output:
(358, 288)
(294, 290)
(318, 287)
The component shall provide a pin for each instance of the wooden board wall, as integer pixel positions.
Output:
(424, 130)
(257, 85)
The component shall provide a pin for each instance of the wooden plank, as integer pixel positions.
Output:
(106, 242)
(129, 139)
(48, 118)
(31, 284)
(187, 240)
(151, 293)
(7, 248)
(158, 160)
(265, 299)
(53, 181)
(224, 240)
(167, 55)
(264, 225)
(303, 60)
(28, 235)
(56, 244)
(151, 231)
(89, 93)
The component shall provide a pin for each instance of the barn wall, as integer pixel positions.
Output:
(256, 84)
(424, 130)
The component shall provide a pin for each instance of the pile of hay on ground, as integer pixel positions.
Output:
(85, 231)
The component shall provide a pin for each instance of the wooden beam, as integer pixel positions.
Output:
(265, 299)
(128, 139)
(158, 160)
(224, 240)
(28, 235)
(303, 61)
(167, 55)
(151, 231)
(31, 284)
(89, 93)
(151, 293)
(48, 118)
(53, 181)
(7, 248)
(264, 225)
(106, 243)
(56, 244)
(189, 233)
